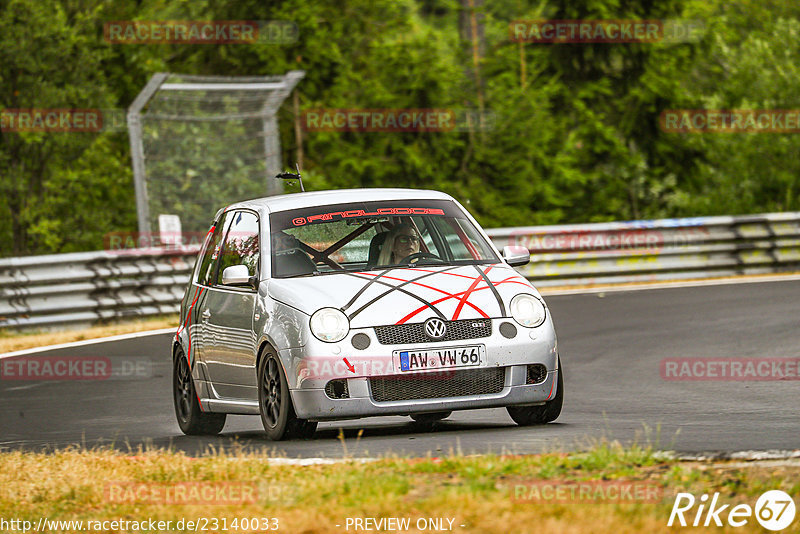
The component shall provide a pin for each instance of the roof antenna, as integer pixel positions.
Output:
(292, 176)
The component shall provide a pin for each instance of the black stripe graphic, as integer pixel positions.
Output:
(494, 290)
(399, 288)
(361, 291)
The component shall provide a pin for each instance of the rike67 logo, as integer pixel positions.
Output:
(774, 510)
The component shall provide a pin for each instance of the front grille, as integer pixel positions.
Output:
(404, 334)
(438, 385)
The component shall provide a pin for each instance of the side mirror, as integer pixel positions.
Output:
(238, 275)
(516, 256)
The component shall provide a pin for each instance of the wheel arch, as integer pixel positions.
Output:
(264, 344)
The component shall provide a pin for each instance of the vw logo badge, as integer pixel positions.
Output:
(435, 328)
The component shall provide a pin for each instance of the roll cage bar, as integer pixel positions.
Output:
(323, 256)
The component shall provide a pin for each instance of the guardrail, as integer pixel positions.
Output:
(663, 249)
(87, 287)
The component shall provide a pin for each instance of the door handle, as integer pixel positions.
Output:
(206, 314)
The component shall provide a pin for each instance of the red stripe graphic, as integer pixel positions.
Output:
(463, 296)
(432, 288)
(456, 295)
(468, 292)
(186, 325)
(515, 277)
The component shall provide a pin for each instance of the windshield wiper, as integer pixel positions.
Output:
(427, 263)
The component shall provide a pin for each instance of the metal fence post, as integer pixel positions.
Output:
(137, 150)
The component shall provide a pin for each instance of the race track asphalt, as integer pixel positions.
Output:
(611, 347)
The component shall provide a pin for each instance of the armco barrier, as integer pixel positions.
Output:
(86, 287)
(664, 249)
(42, 291)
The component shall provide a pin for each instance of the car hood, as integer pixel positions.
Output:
(406, 295)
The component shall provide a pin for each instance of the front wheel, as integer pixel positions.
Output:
(191, 418)
(275, 403)
(539, 415)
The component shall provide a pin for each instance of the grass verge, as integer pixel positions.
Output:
(480, 494)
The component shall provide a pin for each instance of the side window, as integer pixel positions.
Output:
(241, 244)
(211, 252)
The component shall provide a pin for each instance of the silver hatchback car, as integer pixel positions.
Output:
(344, 304)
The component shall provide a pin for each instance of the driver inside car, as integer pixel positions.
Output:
(401, 242)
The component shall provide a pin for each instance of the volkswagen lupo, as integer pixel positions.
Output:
(345, 304)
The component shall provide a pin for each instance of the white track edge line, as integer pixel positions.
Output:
(666, 285)
(543, 291)
(84, 342)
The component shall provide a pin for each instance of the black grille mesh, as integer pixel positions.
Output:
(337, 389)
(438, 385)
(360, 341)
(508, 330)
(536, 373)
(402, 334)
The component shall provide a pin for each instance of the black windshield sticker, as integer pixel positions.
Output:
(340, 215)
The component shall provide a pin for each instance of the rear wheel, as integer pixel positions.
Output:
(430, 417)
(275, 403)
(191, 418)
(539, 415)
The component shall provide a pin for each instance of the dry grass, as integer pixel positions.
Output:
(475, 491)
(12, 341)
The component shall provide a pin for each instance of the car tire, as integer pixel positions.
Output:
(431, 417)
(546, 413)
(191, 418)
(275, 403)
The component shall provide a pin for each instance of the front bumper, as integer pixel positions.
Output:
(311, 367)
(316, 405)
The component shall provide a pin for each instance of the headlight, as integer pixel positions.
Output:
(527, 310)
(329, 324)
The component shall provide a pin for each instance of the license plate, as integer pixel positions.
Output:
(444, 358)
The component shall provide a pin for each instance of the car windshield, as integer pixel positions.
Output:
(374, 235)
